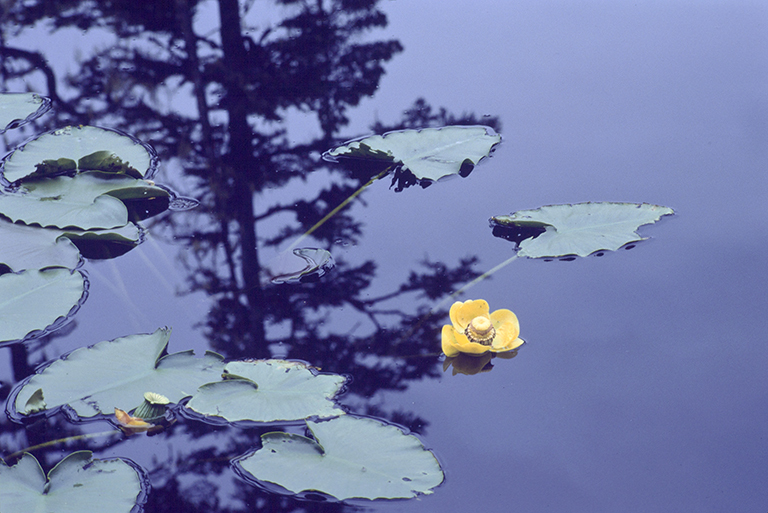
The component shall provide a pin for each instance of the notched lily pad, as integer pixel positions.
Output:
(76, 484)
(85, 201)
(105, 244)
(36, 302)
(93, 381)
(27, 247)
(81, 148)
(268, 391)
(579, 230)
(428, 154)
(18, 109)
(347, 457)
(31, 247)
(316, 263)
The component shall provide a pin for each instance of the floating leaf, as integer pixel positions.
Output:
(268, 391)
(28, 247)
(34, 300)
(17, 109)
(83, 148)
(76, 484)
(580, 229)
(430, 153)
(32, 247)
(116, 374)
(86, 201)
(104, 244)
(316, 262)
(349, 458)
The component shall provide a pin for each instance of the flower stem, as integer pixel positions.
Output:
(474, 282)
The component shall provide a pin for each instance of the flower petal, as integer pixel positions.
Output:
(450, 347)
(462, 313)
(509, 346)
(507, 330)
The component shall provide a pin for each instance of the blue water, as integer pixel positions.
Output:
(643, 383)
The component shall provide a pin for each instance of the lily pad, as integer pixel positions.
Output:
(269, 391)
(86, 201)
(17, 109)
(580, 229)
(32, 247)
(430, 153)
(316, 263)
(81, 148)
(37, 300)
(28, 247)
(104, 244)
(76, 484)
(349, 457)
(113, 374)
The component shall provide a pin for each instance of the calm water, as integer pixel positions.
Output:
(643, 386)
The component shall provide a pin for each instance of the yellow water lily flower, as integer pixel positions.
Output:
(476, 331)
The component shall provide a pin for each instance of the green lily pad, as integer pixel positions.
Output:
(37, 300)
(349, 458)
(85, 201)
(269, 391)
(430, 153)
(28, 247)
(17, 109)
(314, 264)
(81, 148)
(580, 229)
(32, 247)
(115, 374)
(105, 244)
(76, 484)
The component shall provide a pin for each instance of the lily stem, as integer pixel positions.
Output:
(336, 210)
(59, 441)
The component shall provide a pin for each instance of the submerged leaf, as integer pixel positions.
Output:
(95, 380)
(93, 148)
(317, 262)
(350, 457)
(268, 391)
(430, 153)
(35, 300)
(580, 229)
(78, 483)
(17, 109)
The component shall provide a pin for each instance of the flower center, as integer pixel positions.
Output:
(480, 331)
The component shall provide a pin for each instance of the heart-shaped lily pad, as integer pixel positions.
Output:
(115, 374)
(81, 148)
(349, 457)
(430, 153)
(580, 229)
(85, 201)
(78, 483)
(269, 391)
(38, 301)
(18, 109)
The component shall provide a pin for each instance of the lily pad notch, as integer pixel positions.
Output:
(346, 457)
(577, 230)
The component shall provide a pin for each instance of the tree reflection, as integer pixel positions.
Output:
(237, 84)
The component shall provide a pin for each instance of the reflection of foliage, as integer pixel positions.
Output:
(234, 147)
